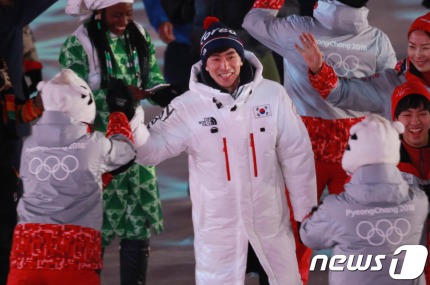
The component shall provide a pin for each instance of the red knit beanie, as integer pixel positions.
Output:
(421, 23)
(408, 88)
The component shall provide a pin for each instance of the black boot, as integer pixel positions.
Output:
(133, 258)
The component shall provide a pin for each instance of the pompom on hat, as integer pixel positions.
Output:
(374, 140)
(421, 23)
(217, 37)
(84, 8)
(68, 93)
(407, 88)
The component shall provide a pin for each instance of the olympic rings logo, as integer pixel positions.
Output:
(52, 165)
(383, 231)
(342, 66)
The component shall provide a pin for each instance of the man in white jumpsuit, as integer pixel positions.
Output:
(245, 142)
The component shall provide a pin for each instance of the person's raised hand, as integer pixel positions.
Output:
(310, 52)
(165, 32)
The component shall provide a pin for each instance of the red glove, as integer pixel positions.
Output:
(118, 124)
(106, 179)
(268, 4)
(324, 81)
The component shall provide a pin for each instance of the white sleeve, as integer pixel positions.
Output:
(117, 151)
(386, 58)
(164, 137)
(318, 231)
(296, 157)
(366, 94)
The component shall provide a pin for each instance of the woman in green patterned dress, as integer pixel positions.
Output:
(110, 44)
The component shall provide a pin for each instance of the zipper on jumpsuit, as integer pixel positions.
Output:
(254, 156)
(227, 164)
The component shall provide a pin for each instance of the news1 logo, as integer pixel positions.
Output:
(413, 262)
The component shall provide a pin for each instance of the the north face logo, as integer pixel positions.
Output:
(210, 121)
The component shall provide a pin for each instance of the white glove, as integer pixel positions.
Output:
(138, 127)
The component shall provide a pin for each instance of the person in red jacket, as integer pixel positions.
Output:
(411, 107)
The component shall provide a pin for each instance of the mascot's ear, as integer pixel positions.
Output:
(40, 85)
(399, 127)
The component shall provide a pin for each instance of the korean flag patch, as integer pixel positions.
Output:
(262, 111)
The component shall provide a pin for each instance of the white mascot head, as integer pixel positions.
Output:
(68, 93)
(372, 141)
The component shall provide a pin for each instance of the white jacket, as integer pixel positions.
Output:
(241, 155)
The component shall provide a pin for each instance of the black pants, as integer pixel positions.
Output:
(8, 221)
(8, 217)
(253, 265)
(133, 258)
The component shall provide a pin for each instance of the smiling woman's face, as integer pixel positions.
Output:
(118, 16)
(419, 50)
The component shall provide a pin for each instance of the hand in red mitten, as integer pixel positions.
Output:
(268, 4)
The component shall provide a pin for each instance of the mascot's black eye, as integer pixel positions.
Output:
(354, 136)
(85, 96)
(347, 147)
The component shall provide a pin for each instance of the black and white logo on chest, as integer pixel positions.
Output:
(208, 121)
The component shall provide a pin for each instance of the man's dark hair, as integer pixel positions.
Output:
(412, 101)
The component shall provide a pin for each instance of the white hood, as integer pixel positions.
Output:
(224, 98)
(338, 17)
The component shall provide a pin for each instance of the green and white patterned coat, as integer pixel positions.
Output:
(131, 201)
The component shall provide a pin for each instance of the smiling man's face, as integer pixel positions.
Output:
(224, 68)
